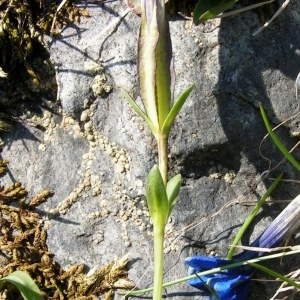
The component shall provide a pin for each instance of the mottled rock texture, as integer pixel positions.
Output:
(96, 152)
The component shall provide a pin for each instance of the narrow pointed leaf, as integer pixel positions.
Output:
(157, 196)
(140, 113)
(251, 217)
(276, 275)
(277, 141)
(175, 109)
(27, 287)
(207, 9)
(173, 189)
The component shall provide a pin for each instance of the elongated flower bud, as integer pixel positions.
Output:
(154, 59)
(279, 230)
(233, 284)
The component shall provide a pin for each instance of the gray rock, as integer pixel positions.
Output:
(96, 155)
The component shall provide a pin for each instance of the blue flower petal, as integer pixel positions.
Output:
(205, 262)
(230, 288)
(232, 284)
(282, 227)
(202, 263)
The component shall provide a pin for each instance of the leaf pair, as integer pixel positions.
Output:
(160, 198)
(170, 117)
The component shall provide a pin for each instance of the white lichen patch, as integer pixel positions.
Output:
(99, 86)
(125, 236)
(295, 133)
(90, 184)
(42, 147)
(49, 125)
(230, 176)
(131, 210)
(171, 241)
(126, 209)
(92, 67)
(219, 172)
(98, 236)
(85, 116)
(95, 185)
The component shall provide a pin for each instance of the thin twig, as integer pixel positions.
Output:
(240, 10)
(62, 3)
(278, 12)
(267, 250)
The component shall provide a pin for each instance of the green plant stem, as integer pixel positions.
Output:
(162, 147)
(159, 234)
(295, 250)
(250, 218)
(159, 224)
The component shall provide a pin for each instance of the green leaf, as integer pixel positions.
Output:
(24, 283)
(207, 9)
(252, 215)
(175, 109)
(157, 196)
(277, 141)
(173, 189)
(276, 275)
(137, 109)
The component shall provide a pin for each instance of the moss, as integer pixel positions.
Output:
(27, 76)
(23, 246)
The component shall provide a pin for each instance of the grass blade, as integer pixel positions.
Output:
(277, 141)
(252, 215)
(276, 275)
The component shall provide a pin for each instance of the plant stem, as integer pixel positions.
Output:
(159, 224)
(295, 250)
(252, 215)
(159, 234)
(162, 147)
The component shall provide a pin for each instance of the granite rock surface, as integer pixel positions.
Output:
(96, 152)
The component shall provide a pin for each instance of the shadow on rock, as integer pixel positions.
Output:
(253, 70)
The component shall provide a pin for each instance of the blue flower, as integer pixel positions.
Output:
(233, 284)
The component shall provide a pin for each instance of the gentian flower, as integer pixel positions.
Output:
(233, 284)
